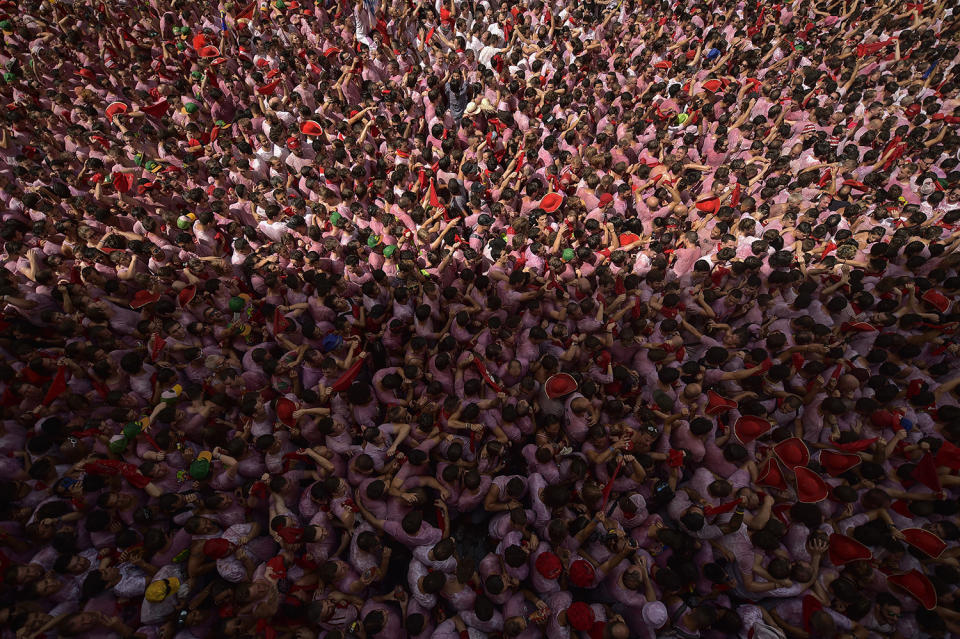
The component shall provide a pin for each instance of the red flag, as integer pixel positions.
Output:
(926, 473)
(343, 382)
(57, 386)
(156, 346)
(280, 323)
(247, 12)
(609, 486)
(434, 200)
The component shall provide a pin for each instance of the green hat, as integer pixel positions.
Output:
(181, 46)
(184, 30)
(151, 166)
(191, 107)
(220, 123)
(183, 222)
(9, 77)
(335, 218)
(200, 469)
(236, 304)
(799, 47)
(6, 25)
(389, 250)
(196, 75)
(279, 4)
(131, 430)
(682, 117)
(567, 254)
(118, 445)
(373, 241)
(138, 159)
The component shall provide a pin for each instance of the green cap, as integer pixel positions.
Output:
(567, 254)
(389, 250)
(183, 222)
(279, 4)
(200, 469)
(181, 46)
(191, 107)
(373, 240)
(236, 304)
(9, 77)
(131, 430)
(6, 25)
(335, 218)
(138, 159)
(118, 445)
(682, 117)
(151, 165)
(220, 123)
(196, 75)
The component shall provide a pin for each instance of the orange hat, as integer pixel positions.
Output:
(551, 202)
(838, 463)
(186, 295)
(937, 300)
(917, 586)
(810, 486)
(925, 541)
(285, 409)
(548, 565)
(845, 549)
(717, 404)
(792, 452)
(771, 475)
(208, 51)
(749, 427)
(311, 128)
(115, 108)
(559, 385)
(709, 205)
(582, 574)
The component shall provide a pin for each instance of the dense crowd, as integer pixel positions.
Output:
(478, 319)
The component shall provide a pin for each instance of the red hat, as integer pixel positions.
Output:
(663, 64)
(86, 73)
(548, 565)
(559, 385)
(115, 108)
(709, 205)
(186, 295)
(937, 300)
(329, 51)
(605, 199)
(838, 463)
(293, 143)
(142, 298)
(925, 541)
(311, 128)
(208, 51)
(917, 586)
(713, 85)
(285, 409)
(810, 486)
(217, 548)
(792, 452)
(717, 404)
(551, 202)
(749, 427)
(845, 549)
(771, 475)
(580, 616)
(582, 574)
